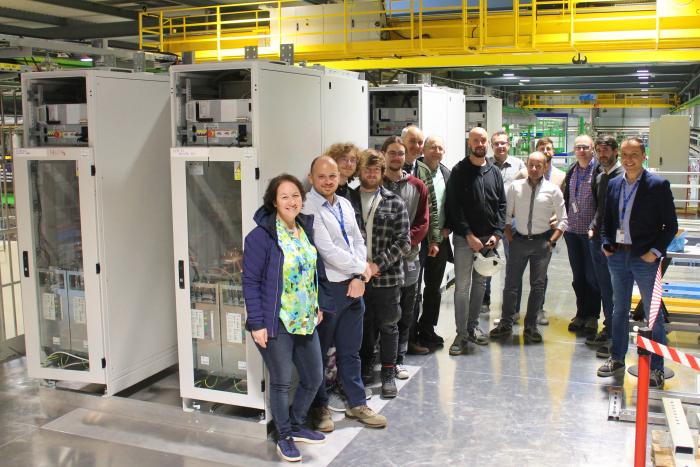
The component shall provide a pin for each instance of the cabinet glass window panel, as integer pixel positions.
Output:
(215, 241)
(55, 199)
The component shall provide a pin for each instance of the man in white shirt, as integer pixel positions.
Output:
(511, 169)
(339, 242)
(532, 203)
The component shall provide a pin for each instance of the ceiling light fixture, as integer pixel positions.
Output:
(508, 75)
(642, 71)
(85, 58)
(644, 90)
(524, 80)
(556, 91)
(645, 97)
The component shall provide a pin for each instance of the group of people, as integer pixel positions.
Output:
(343, 267)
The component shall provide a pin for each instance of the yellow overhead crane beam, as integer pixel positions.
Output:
(607, 100)
(362, 34)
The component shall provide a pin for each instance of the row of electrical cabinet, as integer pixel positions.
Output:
(105, 219)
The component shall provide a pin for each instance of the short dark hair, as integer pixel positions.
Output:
(393, 140)
(544, 141)
(638, 140)
(499, 133)
(606, 140)
(271, 190)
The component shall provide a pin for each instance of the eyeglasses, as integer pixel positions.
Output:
(582, 147)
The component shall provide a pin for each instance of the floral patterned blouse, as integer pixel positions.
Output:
(299, 294)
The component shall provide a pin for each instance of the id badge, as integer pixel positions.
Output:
(412, 266)
(620, 236)
(574, 207)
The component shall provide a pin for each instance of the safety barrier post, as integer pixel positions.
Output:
(640, 441)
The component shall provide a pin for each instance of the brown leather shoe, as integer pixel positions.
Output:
(416, 349)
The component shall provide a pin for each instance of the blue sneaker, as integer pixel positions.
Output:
(306, 435)
(288, 450)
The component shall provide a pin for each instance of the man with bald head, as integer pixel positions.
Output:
(340, 244)
(531, 203)
(476, 210)
(580, 208)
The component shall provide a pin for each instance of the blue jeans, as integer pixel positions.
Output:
(283, 351)
(625, 270)
(344, 328)
(584, 283)
(469, 287)
(602, 274)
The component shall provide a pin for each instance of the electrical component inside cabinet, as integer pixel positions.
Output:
(391, 112)
(58, 112)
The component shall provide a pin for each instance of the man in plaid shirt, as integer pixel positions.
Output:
(385, 226)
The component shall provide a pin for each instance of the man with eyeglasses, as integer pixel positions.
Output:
(608, 168)
(580, 207)
(415, 196)
(511, 169)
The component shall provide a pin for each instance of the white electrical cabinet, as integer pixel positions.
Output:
(485, 112)
(286, 116)
(669, 149)
(94, 226)
(436, 110)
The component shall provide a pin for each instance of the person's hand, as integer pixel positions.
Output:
(590, 234)
(509, 235)
(445, 233)
(356, 288)
(553, 223)
(474, 243)
(374, 270)
(433, 250)
(492, 242)
(260, 337)
(320, 317)
(649, 257)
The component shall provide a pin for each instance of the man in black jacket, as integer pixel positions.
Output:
(608, 167)
(476, 211)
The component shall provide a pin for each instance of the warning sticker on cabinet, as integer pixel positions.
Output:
(56, 340)
(204, 360)
(234, 328)
(78, 306)
(242, 365)
(48, 306)
(198, 324)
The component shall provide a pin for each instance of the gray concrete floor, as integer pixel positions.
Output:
(504, 404)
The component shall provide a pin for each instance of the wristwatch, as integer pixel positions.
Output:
(552, 243)
(358, 276)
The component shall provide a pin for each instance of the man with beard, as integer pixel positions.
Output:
(476, 210)
(386, 228)
(414, 194)
(608, 167)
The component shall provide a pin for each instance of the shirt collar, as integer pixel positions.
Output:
(313, 194)
(617, 164)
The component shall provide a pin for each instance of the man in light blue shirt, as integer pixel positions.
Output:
(339, 242)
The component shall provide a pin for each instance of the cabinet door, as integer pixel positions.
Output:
(58, 243)
(214, 198)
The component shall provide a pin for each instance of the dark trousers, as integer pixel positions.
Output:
(382, 314)
(584, 283)
(408, 302)
(433, 274)
(487, 293)
(602, 273)
(282, 352)
(522, 251)
(344, 328)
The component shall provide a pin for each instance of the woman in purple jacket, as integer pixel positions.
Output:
(280, 286)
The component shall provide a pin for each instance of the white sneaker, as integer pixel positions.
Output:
(401, 372)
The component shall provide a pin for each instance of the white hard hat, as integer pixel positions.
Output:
(487, 262)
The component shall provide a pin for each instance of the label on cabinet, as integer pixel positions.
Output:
(78, 305)
(234, 328)
(48, 306)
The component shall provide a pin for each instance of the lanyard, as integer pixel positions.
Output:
(581, 178)
(626, 198)
(341, 219)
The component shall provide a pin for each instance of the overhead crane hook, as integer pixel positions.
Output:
(577, 60)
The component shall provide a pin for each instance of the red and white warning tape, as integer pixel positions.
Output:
(669, 353)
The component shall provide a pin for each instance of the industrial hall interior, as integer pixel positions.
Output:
(349, 233)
